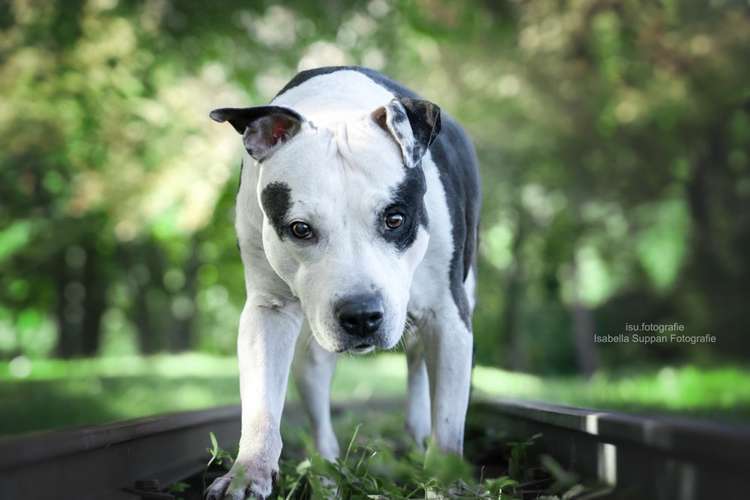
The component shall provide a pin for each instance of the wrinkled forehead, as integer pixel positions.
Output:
(341, 161)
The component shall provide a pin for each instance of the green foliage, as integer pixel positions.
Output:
(13, 238)
(613, 140)
(564, 480)
(662, 244)
(381, 462)
(219, 457)
(518, 461)
(49, 394)
(178, 487)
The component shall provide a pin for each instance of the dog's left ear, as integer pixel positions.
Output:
(413, 123)
(264, 128)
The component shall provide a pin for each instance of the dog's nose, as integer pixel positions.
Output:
(360, 315)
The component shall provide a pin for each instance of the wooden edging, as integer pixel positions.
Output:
(101, 462)
(640, 457)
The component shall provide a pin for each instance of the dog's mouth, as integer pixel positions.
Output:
(362, 348)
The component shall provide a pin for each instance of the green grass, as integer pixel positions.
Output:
(380, 461)
(49, 394)
(57, 393)
(721, 392)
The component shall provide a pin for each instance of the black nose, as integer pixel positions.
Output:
(360, 315)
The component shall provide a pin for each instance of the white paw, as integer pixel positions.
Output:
(419, 430)
(245, 480)
(327, 446)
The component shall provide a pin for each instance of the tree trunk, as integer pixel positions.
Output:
(182, 337)
(68, 342)
(513, 290)
(583, 326)
(147, 340)
(136, 257)
(583, 330)
(95, 302)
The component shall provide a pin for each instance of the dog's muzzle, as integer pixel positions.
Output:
(361, 317)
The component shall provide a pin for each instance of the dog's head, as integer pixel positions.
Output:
(344, 224)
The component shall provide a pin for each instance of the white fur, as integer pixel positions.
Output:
(341, 168)
(418, 419)
(313, 370)
(340, 178)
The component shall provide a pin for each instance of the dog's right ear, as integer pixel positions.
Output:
(264, 128)
(412, 123)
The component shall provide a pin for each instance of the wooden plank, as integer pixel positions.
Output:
(641, 457)
(99, 462)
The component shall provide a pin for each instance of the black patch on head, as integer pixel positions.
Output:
(277, 200)
(408, 199)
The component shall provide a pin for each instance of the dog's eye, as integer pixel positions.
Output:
(301, 230)
(394, 220)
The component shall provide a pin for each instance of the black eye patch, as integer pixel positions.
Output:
(276, 199)
(408, 199)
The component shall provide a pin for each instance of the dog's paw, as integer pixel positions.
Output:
(243, 481)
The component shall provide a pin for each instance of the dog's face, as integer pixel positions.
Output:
(344, 223)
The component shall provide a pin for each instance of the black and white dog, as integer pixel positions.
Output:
(357, 220)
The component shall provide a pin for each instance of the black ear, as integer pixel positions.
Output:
(263, 128)
(413, 123)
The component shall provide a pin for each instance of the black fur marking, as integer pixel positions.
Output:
(241, 118)
(239, 186)
(416, 155)
(239, 183)
(457, 164)
(398, 115)
(276, 199)
(408, 199)
(262, 127)
(424, 119)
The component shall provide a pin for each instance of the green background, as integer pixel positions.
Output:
(614, 146)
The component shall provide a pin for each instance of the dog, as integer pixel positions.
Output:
(356, 220)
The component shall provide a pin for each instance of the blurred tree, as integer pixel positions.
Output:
(613, 137)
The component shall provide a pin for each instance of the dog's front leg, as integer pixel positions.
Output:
(265, 347)
(418, 419)
(313, 369)
(448, 347)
